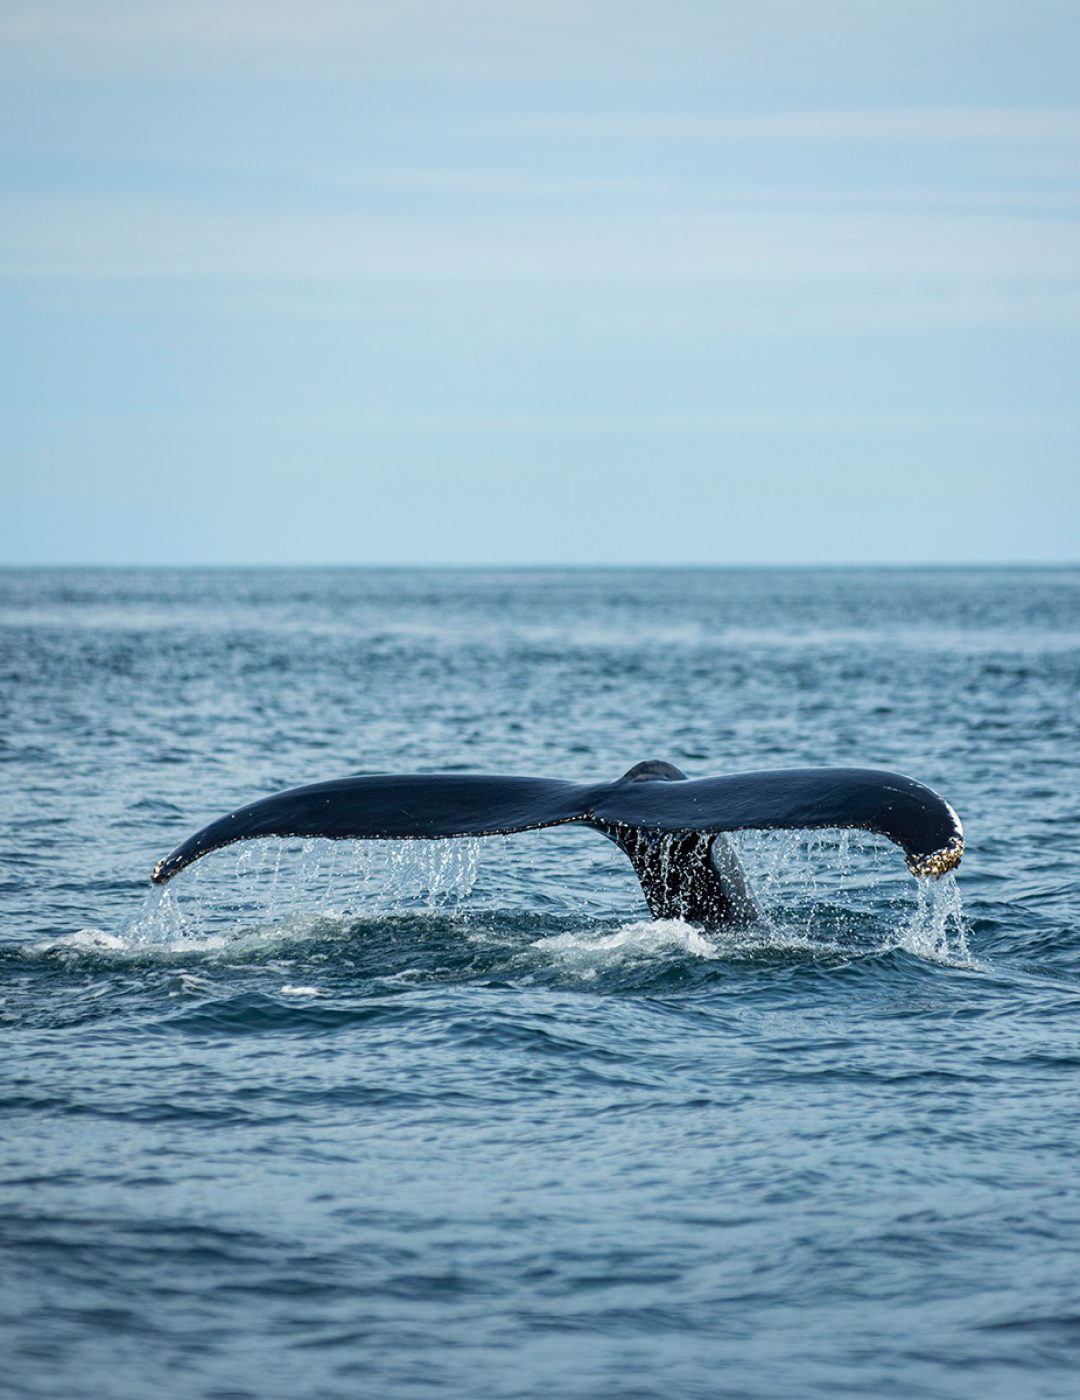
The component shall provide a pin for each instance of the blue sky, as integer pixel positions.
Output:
(653, 281)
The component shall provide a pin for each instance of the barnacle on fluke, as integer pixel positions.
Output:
(938, 862)
(671, 827)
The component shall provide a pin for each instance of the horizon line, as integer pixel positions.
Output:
(547, 566)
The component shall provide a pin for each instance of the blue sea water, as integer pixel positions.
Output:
(335, 1119)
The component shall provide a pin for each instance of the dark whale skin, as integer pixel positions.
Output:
(651, 812)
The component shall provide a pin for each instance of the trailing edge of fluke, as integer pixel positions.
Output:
(670, 826)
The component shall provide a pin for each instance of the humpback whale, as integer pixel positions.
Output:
(670, 826)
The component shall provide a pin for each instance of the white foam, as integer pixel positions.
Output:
(588, 952)
(86, 940)
(290, 991)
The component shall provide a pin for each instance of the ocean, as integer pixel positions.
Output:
(457, 1119)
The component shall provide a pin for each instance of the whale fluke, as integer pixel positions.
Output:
(670, 826)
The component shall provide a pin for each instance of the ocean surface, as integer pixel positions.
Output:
(457, 1119)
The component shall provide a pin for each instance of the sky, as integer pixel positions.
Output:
(511, 282)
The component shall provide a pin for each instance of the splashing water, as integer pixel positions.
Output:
(937, 930)
(844, 891)
(831, 894)
(270, 887)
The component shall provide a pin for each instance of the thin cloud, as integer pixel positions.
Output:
(154, 236)
(502, 40)
(918, 124)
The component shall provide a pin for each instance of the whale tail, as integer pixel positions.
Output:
(691, 875)
(671, 827)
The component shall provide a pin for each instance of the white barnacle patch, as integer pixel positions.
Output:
(938, 862)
